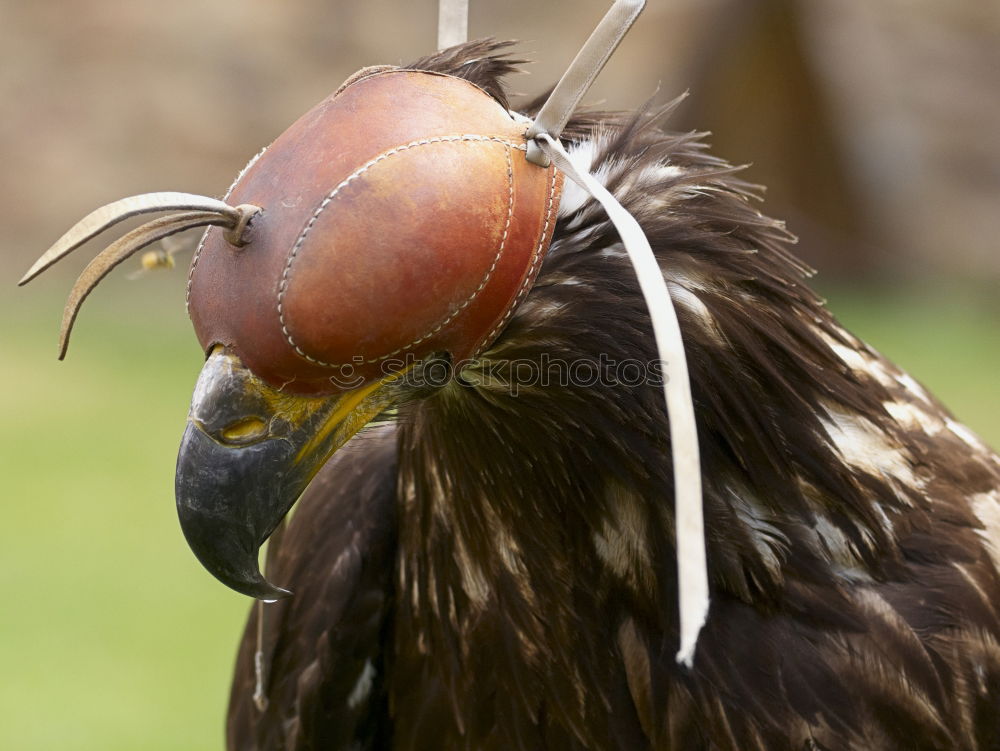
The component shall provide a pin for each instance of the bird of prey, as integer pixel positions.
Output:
(493, 571)
(490, 566)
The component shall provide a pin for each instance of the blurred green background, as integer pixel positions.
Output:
(111, 635)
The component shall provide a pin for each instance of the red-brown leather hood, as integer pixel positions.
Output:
(400, 218)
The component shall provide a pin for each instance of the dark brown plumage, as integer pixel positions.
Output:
(496, 571)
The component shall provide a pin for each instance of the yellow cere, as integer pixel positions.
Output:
(352, 412)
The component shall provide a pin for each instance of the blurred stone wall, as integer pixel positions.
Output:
(915, 90)
(105, 98)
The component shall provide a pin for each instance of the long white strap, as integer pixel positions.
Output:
(692, 568)
(453, 23)
(265, 625)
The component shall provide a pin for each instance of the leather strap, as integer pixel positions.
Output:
(108, 216)
(196, 211)
(121, 250)
(692, 566)
(265, 626)
(453, 23)
(577, 79)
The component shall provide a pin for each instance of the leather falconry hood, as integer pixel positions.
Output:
(405, 215)
(399, 218)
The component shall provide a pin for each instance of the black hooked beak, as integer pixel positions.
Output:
(248, 452)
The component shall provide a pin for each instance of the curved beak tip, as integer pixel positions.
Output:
(231, 495)
(263, 590)
(230, 558)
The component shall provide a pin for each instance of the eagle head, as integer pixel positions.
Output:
(397, 223)
(400, 224)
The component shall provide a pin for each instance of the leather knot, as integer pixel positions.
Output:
(237, 235)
